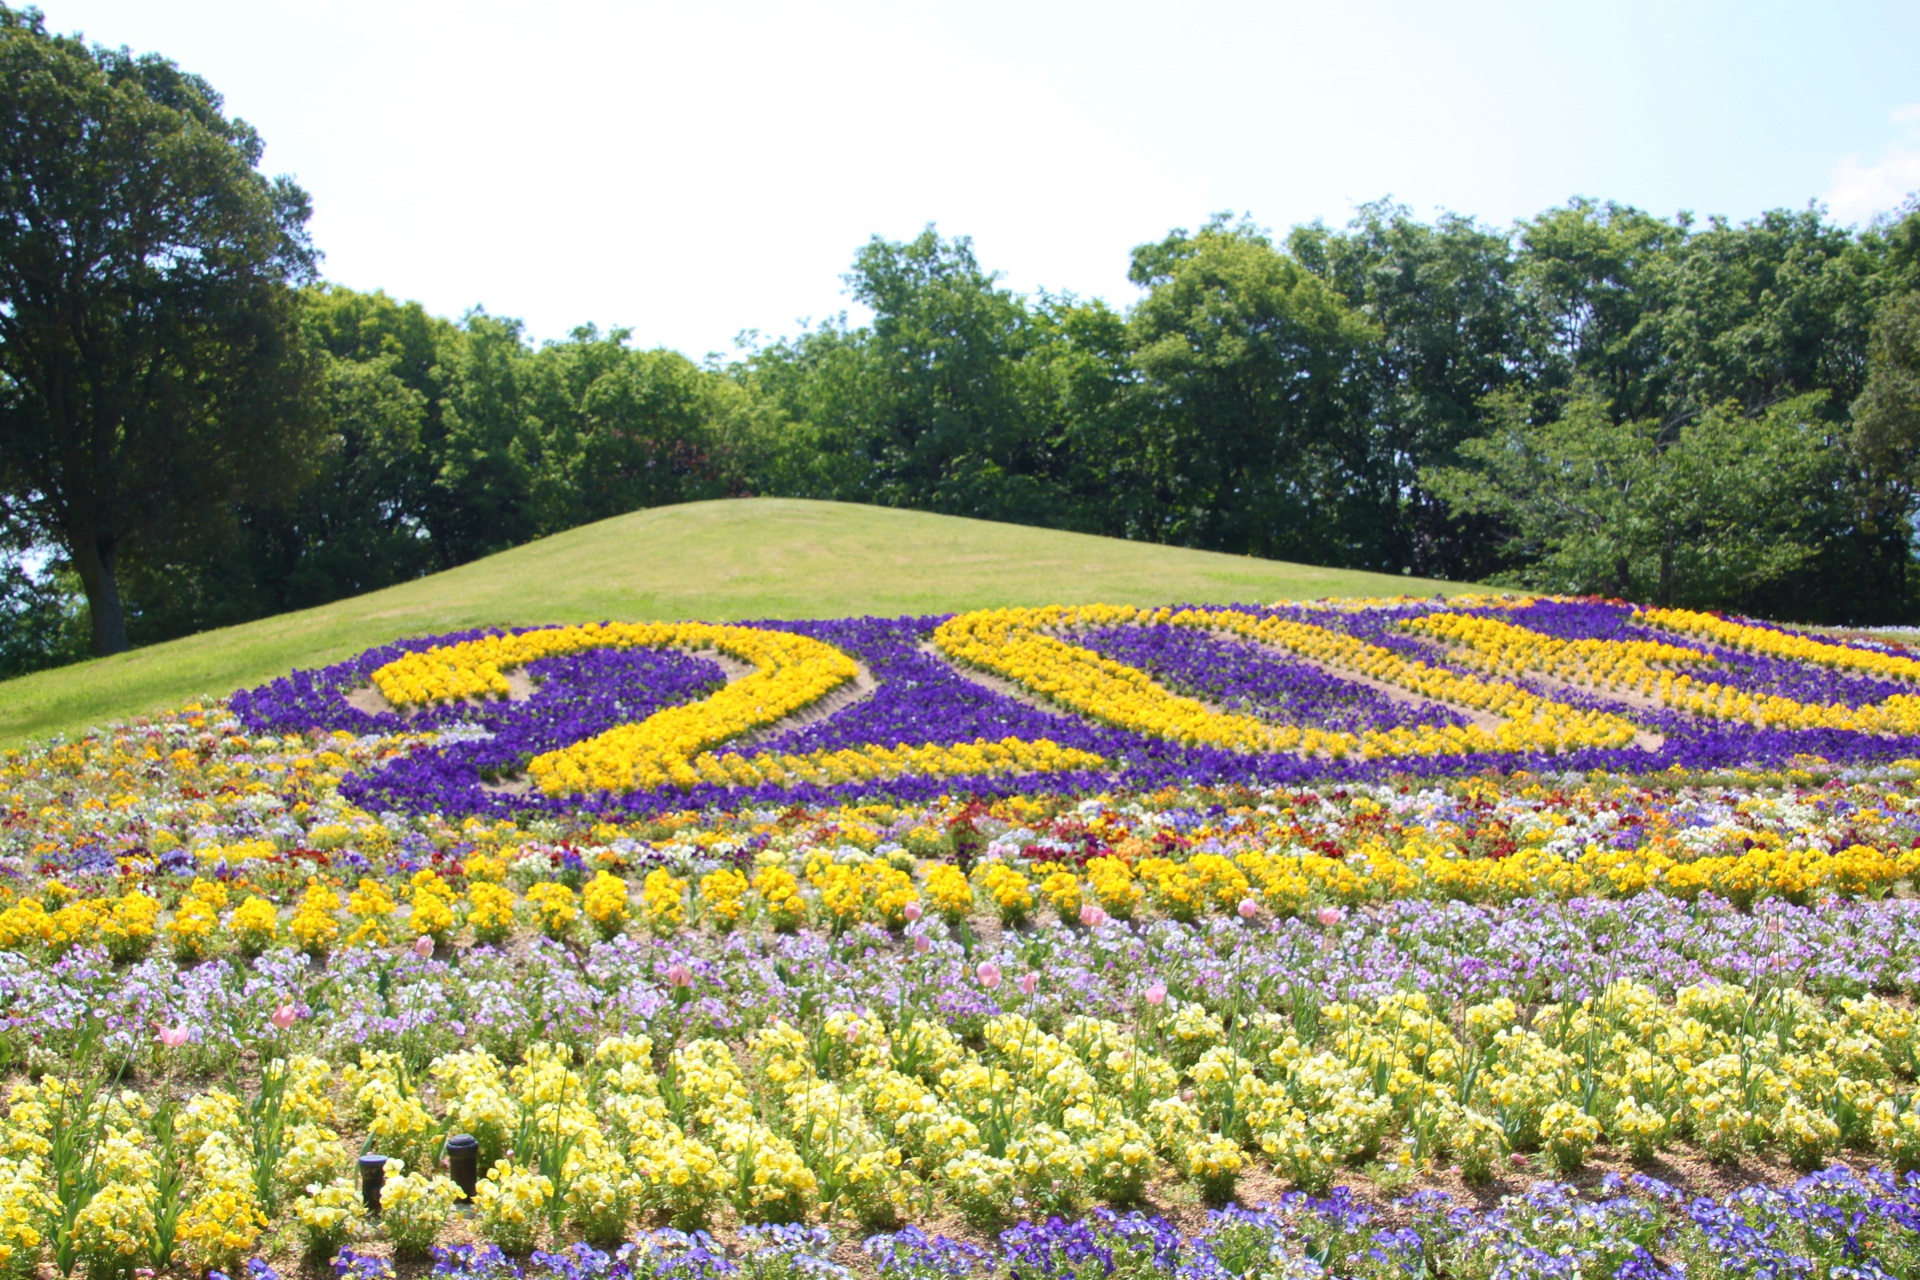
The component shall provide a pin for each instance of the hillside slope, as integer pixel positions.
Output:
(719, 561)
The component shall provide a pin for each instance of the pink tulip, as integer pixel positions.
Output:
(922, 944)
(989, 974)
(912, 912)
(1028, 981)
(1327, 916)
(1249, 908)
(1091, 915)
(1157, 993)
(285, 1016)
(678, 975)
(172, 1037)
(423, 946)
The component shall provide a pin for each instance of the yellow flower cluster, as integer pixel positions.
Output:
(509, 1203)
(415, 1208)
(554, 908)
(791, 672)
(663, 899)
(948, 892)
(605, 900)
(1506, 649)
(490, 912)
(371, 906)
(432, 908)
(865, 764)
(1114, 886)
(858, 1116)
(223, 1219)
(1749, 864)
(238, 853)
(112, 1229)
(128, 928)
(1014, 644)
(1010, 892)
(1061, 889)
(255, 925)
(853, 892)
(723, 893)
(194, 921)
(396, 1120)
(328, 1216)
(313, 925)
(25, 1203)
(779, 891)
(1531, 723)
(1781, 644)
(1625, 666)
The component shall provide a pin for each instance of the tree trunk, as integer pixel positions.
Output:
(93, 557)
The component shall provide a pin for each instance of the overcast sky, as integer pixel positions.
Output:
(693, 170)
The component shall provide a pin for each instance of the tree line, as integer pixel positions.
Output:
(196, 430)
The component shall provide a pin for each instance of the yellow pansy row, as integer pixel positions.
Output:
(867, 1111)
(1532, 723)
(793, 672)
(1285, 881)
(1780, 644)
(1502, 647)
(1013, 643)
(861, 764)
(1623, 666)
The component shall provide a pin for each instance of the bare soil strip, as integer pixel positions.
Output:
(368, 698)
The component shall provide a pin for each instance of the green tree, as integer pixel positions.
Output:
(1886, 421)
(1255, 428)
(949, 427)
(152, 374)
(1589, 274)
(1454, 329)
(1701, 514)
(481, 498)
(43, 620)
(619, 430)
(815, 388)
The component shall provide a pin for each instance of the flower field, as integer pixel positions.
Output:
(1485, 937)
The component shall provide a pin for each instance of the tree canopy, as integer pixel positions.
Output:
(151, 373)
(195, 431)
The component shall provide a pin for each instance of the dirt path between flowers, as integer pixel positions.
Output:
(1027, 697)
(368, 698)
(1392, 692)
(1644, 739)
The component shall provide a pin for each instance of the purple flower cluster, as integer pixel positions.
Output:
(1865, 1226)
(921, 699)
(1838, 1222)
(1531, 952)
(1748, 672)
(1256, 681)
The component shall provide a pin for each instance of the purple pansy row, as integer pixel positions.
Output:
(920, 699)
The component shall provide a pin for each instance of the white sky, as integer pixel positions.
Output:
(692, 170)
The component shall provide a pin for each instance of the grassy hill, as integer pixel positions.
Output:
(717, 561)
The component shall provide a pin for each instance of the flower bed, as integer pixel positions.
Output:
(1079, 935)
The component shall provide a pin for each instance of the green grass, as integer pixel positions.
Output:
(717, 561)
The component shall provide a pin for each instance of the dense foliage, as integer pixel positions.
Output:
(1699, 414)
